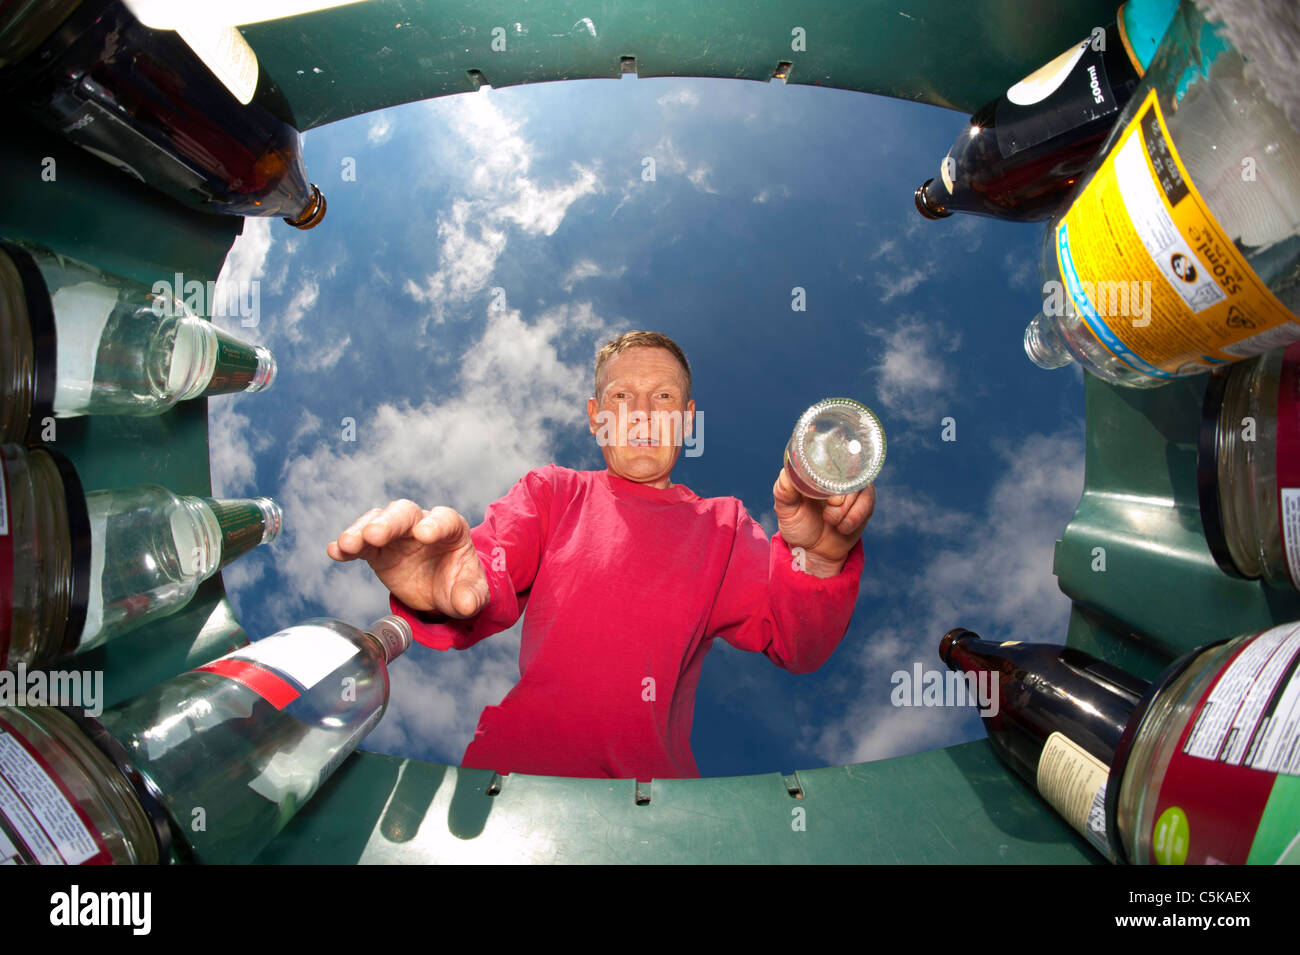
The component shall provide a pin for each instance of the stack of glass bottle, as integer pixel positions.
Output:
(209, 765)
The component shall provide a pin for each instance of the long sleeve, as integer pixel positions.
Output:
(766, 605)
(510, 542)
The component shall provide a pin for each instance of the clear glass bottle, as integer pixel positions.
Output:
(1248, 468)
(66, 801)
(1179, 250)
(80, 341)
(837, 447)
(238, 745)
(110, 561)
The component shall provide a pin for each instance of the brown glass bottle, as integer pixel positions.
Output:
(1057, 717)
(1023, 152)
(144, 101)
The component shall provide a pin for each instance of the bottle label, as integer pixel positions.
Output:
(81, 314)
(40, 811)
(225, 52)
(1047, 79)
(1074, 782)
(1151, 273)
(1077, 83)
(283, 666)
(243, 525)
(1288, 460)
(236, 366)
(6, 569)
(1231, 793)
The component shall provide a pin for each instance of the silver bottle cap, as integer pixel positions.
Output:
(394, 633)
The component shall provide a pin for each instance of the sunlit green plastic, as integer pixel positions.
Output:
(954, 53)
(1160, 592)
(958, 804)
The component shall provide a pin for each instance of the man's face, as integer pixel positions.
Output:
(641, 417)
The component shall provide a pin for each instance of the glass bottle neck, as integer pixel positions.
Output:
(240, 524)
(1044, 345)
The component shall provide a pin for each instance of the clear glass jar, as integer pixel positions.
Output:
(837, 447)
(1255, 448)
(41, 502)
(1243, 156)
(73, 805)
(1177, 760)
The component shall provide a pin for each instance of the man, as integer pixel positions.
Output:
(627, 578)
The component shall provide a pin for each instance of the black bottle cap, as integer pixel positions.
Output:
(1207, 475)
(40, 319)
(145, 790)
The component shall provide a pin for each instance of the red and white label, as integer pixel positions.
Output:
(1251, 716)
(279, 667)
(1243, 733)
(40, 811)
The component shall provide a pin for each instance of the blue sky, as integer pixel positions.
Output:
(383, 317)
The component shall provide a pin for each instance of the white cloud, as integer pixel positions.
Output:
(585, 269)
(668, 158)
(380, 129)
(537, 210)
(1020, 269)
(680, 97)
(894, 284)
(996, 579)
(245, 263)
(901, 510)
(308, 426)
(496, 193)
(231, 455)
(328, 355)
(303, 301)
(912, 379)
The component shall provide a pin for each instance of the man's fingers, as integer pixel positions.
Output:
(393, 523)
(365, 553)
(440, 523)
(468, 599)
(853, 512)
(349, 543)
(784, 491)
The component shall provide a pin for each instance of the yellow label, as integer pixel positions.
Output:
(1151, 272)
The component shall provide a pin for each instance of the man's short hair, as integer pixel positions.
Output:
(640, 339)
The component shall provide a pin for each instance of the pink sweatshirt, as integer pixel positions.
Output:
(626, 588)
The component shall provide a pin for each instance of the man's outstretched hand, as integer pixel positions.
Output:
(425, 558)
(826, 530)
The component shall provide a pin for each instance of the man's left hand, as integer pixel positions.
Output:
(826, 530)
